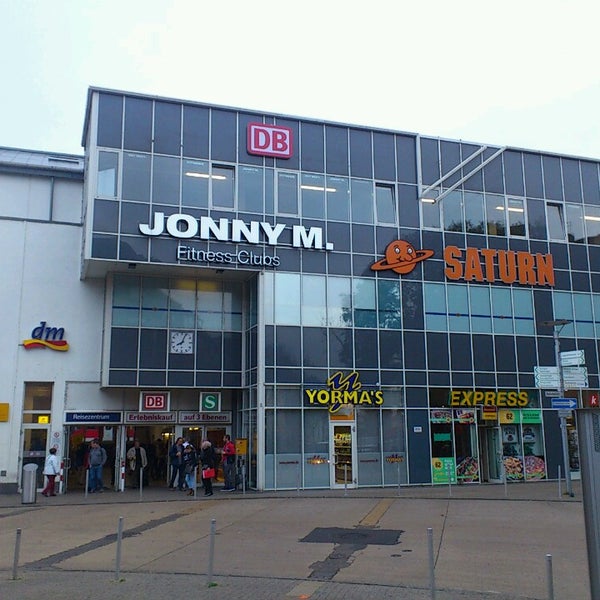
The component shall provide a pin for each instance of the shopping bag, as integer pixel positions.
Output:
(208, 473)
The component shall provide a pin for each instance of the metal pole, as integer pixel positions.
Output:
(449, 473)
(17, 551)
(211, 552)
(118, 558)
(398, 476)
(87, 481)
(559, 484)
(563, 421)
(141, 481)
(345, 479)
(431, 562)
(244, 476)
(298, 477)
(504, 478)
(549, 579)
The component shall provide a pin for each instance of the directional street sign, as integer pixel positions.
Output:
(574, 358)
(565, 414)
(546, 377)
(575, 377)
(564, 403)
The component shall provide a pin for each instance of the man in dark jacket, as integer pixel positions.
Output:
(177, 465)
(96, 460)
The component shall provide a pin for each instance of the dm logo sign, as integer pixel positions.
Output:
(47, 337)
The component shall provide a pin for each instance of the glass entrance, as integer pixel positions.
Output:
(35, 443)
(343, 456)
(493, 453)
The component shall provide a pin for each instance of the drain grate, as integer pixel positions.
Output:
(356, 537)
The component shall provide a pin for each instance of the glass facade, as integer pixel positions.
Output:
(269, 262)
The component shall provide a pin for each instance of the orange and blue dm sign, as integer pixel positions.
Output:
(401, 257)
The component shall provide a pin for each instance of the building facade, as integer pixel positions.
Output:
(356, 307)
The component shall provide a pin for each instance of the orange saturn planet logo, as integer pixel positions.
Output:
(401, 257)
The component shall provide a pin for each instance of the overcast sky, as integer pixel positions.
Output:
(522, 73)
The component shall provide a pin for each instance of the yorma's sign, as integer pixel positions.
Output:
(269, 140)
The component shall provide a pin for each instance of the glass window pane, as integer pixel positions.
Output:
(592, 224)
(182, 304)
(339, 309)
(575, 229)
(314, 300)
(584, 321)
(474, 212)
(108, 165)
(458, 308)
(165, 180)
(287, 193)
(126, 301)
(287, 299)
(430, 213)
(481, 310)
(362, 201)
(502, 310)
(313, 196)
(596, 302)
(223, 187)
(136, 177)
(232, 306)
(388, 304)
(523, 303)
(363, 291)
(496, 219)
(209, 308)
(556, 223)
(435, 306)
(289, 397)
(250, 189)
(563, 308)
(516, 216)
(386, 204)
(155, 302)
(316, 432)
(452, 210)
(195, 183)
(338, 199)
(288, 435)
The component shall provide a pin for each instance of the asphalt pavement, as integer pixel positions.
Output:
(487, 542)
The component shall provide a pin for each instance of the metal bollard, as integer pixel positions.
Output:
(505, 479)
(345, 480)
(559, 483)
(211, 553)
(118, 558)
(431, 562)
(399, 475)
(298, 478)
(449, 473)
(549, 578)
(17, 551)
(141, 482)
(87, 481)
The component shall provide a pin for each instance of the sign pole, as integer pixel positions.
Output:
(563, 420)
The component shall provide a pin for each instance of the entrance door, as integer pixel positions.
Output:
(492, 454)
(35, 444)
(343, 455)
(197, 434)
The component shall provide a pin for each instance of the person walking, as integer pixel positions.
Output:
(177, 467)
(138, 461)
(208, 460)
(51, 470)
(228, 456)
(96, 461)
(190, 462)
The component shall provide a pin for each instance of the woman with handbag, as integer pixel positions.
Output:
(207, 458)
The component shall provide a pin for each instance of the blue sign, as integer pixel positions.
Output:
(564, 403)
(94, 417)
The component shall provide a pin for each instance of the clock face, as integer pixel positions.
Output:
(182, 342)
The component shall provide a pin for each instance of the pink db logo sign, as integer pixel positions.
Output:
(269, 140)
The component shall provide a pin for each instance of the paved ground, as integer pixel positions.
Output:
(490, 542)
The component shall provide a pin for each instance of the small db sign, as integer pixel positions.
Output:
(154, 401)
(269, 140)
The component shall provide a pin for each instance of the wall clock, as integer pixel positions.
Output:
(182, 342)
